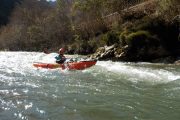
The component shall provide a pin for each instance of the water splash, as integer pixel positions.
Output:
(141, 71)
(108, 90)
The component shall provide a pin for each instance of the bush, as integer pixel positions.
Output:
(93, 44)
(122, 37)
(137, 39)
(165, 33)
(143, 24)
(111, 38)
(82, 47)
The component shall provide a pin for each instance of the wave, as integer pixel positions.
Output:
(141, 71)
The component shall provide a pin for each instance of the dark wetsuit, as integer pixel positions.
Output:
(60, 59)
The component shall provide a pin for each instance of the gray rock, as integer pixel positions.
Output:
(177, 62)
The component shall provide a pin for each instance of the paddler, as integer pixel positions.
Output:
(60, 58)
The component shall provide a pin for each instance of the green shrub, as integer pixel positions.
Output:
(93, 44)
(122, 38)
(166, 32)
(81, 47)
(137, 39)
(143, 24)
(111, 38)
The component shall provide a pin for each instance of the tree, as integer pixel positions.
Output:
(6, 7)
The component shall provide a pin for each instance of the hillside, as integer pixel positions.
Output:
(133, 30)
(6, 7)
(144, 35)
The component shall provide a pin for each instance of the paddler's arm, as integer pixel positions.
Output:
(46, 51)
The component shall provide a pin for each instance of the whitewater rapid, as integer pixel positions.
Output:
(108, 90)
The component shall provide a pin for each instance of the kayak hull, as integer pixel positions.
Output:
(80, 65)
(47, 65)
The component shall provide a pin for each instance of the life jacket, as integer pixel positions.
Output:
(60, 59)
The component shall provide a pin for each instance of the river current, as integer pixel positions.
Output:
(107, 91)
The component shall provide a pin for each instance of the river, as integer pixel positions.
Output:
(107, 91)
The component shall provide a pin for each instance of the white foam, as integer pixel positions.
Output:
(139, 72)
(21, 63)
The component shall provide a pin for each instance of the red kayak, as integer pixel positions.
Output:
(79, 65)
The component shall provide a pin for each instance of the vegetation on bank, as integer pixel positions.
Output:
(82, 27)
(6, 7)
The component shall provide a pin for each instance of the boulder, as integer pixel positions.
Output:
(177, 62)
(104, 53)
(128, 53)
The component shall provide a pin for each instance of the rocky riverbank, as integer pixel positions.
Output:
(151, 40)
(116, 53)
